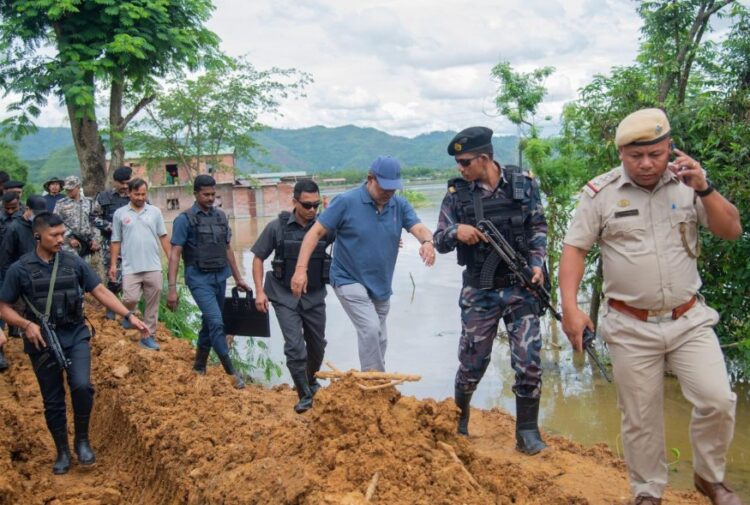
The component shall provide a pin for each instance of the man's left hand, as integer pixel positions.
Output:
(538, 276)
(689, 171)
(427, 253)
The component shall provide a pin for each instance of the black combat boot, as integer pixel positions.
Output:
(62, 463)
(201, 358)
(3, 360)
(311, 380)
(463, 399)
(226, 362)
(528, 439)
(81, 445)
(303, 391)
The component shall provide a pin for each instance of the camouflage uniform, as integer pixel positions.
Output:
(481, 309)
(76, 214)
(105, 205)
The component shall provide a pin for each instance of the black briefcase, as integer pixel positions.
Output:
(242, 318)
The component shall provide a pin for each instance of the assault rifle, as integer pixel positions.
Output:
(85, 240)
(523, 272)
(50, 337)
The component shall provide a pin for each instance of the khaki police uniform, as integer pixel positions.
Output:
(649, 245)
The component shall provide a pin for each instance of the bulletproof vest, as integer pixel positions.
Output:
(110, 201)
(286, 255)
(211, 231)
(508, 215)
(67, 298)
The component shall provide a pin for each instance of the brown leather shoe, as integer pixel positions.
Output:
(644, 499)
(717, 492)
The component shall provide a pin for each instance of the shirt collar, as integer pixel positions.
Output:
(666, 178)
(197, 208)
(366, 198)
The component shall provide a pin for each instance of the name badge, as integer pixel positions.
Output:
(626, 213)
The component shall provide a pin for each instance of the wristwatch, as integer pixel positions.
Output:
(127, 316)
(709, 189)
(426, 241)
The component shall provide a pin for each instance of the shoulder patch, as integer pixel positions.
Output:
(595, 185)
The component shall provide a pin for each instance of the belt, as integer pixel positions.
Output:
(644, 314)
(501, 282)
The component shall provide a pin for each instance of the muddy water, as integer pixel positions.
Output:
(424, 328)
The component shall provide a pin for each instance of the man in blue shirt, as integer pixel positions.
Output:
(368, 221)
(201, 235)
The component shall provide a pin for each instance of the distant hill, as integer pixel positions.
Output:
(50, 151)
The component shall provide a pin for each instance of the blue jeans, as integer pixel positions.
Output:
(208, 290)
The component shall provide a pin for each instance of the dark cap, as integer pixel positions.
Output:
(54, 179)
(36, 203)
(476, 138)
(122, 174)
(387, 170)
(14, 184)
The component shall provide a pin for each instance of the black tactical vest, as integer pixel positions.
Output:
(110, 201)
(507, 214)
(67, 298)
(286, 254)
(211, 231)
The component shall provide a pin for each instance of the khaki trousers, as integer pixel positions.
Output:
(639, 351)
(149, 284)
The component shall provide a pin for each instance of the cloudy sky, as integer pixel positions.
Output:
(414, 66)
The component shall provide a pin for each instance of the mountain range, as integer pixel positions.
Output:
(50, 151)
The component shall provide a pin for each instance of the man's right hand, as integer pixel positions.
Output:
(261, 301)
(34, 335)
(172, 300)
(573, 323)
(74, 243)
(469, 235)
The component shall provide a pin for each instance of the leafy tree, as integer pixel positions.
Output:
(9, 162)
(199, 118)
(122, 46)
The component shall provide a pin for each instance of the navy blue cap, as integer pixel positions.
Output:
(387, 170)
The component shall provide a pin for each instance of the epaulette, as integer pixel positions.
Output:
(456, 183)
(595, 185)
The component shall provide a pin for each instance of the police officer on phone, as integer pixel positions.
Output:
(52, 283)
(302, 320)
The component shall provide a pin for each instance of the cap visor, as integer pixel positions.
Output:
(389, 184)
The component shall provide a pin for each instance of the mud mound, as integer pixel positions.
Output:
(165, 435)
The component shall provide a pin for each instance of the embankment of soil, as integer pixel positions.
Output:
(164, 435)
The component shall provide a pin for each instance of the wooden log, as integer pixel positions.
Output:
(380, 386)
(371, 488)
(449, 450)
(368, 375)
(330, 365)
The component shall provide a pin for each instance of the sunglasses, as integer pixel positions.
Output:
(309, 205)
(467, 161)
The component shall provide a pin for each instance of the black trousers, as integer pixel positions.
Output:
(304, 336)
(50, 378)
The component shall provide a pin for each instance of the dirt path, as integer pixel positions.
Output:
(164, 435)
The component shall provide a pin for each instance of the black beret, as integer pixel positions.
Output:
(14, 184)
(36, 203)
(122, 174)
(476, 138)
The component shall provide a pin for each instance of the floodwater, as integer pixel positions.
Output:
(423, 333)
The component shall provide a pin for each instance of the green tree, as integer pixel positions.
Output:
(71, 48)
(12, 164)
(199, 118)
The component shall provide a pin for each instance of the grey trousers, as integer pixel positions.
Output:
(304, 337)
(368, 317)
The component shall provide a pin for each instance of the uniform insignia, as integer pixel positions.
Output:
(530, 174)
(595, 185)
(623, 203)
(457, 147)
(451, 189)
(658, 129)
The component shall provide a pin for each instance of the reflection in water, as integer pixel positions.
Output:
(423, 339)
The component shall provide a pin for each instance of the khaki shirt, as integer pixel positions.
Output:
(645, 259)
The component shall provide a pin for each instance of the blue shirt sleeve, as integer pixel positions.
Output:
(409, 218)
(11, 288)
(180, 230)
(333, 216)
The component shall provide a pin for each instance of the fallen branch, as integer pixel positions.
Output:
(380, 386)
(368, 375)
(448, 449)
(371, 488)
(330, 365)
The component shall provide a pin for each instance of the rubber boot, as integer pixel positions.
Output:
(528, 439)
(311, 380)
(463, 401)
(3, 360)
(81, 445)
(201, 358)
(62, 463)
(303, 391)
(226, 362)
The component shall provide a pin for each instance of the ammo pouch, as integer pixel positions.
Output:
(500, 282)
(318, 268)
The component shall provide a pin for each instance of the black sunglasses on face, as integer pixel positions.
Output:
(309, 205)
(466, 161)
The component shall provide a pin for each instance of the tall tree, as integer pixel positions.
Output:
(199, 118)
(69, 48)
